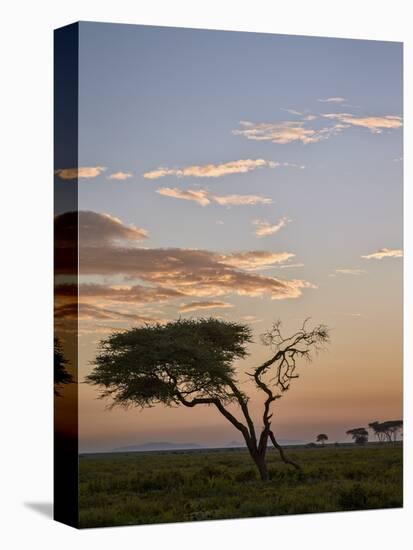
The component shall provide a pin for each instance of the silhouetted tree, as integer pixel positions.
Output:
(359, 435)
(61, 376)
(388, 430)
(322, 438)
(378, 430)
(190, 363)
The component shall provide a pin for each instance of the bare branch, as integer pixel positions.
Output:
(282, 454)
(217, 403)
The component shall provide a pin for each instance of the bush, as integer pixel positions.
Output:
(211, 472)
(353, 498)
(246, 475)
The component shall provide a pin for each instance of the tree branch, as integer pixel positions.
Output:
(244, 407)
(282, 454)
(217, 403)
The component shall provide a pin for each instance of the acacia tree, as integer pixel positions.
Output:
(322, 438)
(190, 363)
(388, 430)
(392, 428)
(61, 376)
(378, 430)
(359, 435)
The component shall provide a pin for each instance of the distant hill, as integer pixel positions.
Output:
(170, 446)
(158, 446)
(281, 442)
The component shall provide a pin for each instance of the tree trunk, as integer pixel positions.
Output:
(261, 464)
(263, 470)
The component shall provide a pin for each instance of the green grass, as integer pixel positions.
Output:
(139, 488)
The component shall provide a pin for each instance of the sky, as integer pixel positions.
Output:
(251, 177)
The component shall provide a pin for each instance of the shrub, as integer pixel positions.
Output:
(245, 475)
(353, 497)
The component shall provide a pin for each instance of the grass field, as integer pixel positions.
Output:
(159, 487)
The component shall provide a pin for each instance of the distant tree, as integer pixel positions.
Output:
(190, 363)
(61, 376)
(359, 435)
(378, 430)
(392, 428)
(322, 438)
(388, 430)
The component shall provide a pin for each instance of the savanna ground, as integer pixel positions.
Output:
(159, 487)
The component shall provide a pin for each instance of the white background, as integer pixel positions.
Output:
(26, 214)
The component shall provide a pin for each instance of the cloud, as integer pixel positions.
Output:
(163, 274)
(193, 272)
(264, 229)
(211, 170)
(255, 259)
(193, 306)
(137, 294)
(84, 311)
(293, 165)
(376, 124)
(204, 197)
(240, 200)
(303, 116)
(82, 172)
(292, 112)
(199, 196)
(101, 228)
(281, 132)
(120, 176)
(384, 253)
(93, 229)
(332, 100)
(286, 266)
(301, 131)
(346, 271)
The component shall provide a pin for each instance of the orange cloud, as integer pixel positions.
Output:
(204, 198)
(240, 200)
(198, 273)
(137, 294)
(82, 172)
(301, 131)
(376, 124)
(193, 306)
(102, 227)
(347, 271)
(281, 132)
(121, 176)
(211, 170)
(264, 229)
(168, 272)
(200, 196)
(256, 259)
(83, 311)
(384, 253)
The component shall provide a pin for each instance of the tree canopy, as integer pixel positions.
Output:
(359, 435)
(387, 430)
(170, 363)
(191, 362)
(61, 376)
